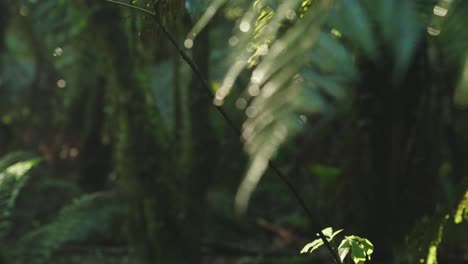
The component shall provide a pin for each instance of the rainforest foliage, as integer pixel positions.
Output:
(233, 131)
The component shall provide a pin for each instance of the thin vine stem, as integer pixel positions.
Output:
(149, 12)
(230, 122)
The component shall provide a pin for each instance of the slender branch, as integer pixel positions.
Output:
(149, 12)
(230, 122)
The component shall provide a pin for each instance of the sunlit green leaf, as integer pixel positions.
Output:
(357, 252)
(329, 234)
(462, 210)
(327, 231)
(310, 247)
(344, 249)
(13, 176)
(361, 249)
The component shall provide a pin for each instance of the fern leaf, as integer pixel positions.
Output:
(276, 83)
(88, 214)
(13, 176)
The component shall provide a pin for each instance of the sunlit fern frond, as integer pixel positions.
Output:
(304, 56)
(13, 176)
(254, 35)
(276, 43)
(308, 71)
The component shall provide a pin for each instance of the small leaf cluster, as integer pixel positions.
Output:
(359, 249)
(312, 246)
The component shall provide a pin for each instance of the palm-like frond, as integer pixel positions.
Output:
(281, 92)
(304, 53)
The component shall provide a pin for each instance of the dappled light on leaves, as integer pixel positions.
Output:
(440, 11)
(433, 31)
(233, 41)
(61, 83)
(244, 26)
(241, 103)
(24, 10)
(188, 43)
(439, 14)
(228, 81)
(58, 52)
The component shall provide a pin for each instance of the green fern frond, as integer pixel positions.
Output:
(89, 214)
(13, 176)
(306, 55)
(12, 158)
(276, 85)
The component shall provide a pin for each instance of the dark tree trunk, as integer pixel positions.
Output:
(204, 143)
(96, 155)
(391, 179)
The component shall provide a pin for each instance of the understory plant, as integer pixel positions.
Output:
(88, 214)
(358, 249)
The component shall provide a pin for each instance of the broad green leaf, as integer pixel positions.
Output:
(327, 231)
(335, 233)
(344, 248)
(357, 252)
(462, 210)
(310, 247)
(368, 246)
(361, 248)
(329, 234)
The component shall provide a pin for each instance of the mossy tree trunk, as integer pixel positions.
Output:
(5, 130)
(165, 174)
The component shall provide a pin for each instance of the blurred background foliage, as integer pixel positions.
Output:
(112, 152)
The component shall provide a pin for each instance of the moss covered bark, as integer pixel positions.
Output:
(164, 176)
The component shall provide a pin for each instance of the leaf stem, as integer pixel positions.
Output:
(149, 12)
